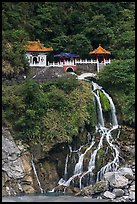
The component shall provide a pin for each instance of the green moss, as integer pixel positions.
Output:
(100, 159)
(104, 102)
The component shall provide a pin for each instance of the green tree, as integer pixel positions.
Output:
(80, 44)
(118, 79)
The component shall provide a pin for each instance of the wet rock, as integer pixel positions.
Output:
(63, 189)
(124, 199)
(127, 172)
(133, 183)
(116, 180)
(98, 187)
(75, 190)
(132, 195)
(132, 188)
(118, 192)
(109, 195)
(132, 150)
(108, 175)
(126, 192)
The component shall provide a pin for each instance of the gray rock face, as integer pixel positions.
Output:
(116, 180)
(127, 172)
(18, 176)
(16, 169)
(11, 162)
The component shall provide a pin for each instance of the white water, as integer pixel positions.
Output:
(91, 165)
(110, 166)
(99, 110)
(113, 110)
(35, 172)
(66, 166)
(84, 75)
(79, 165)
(105, 135)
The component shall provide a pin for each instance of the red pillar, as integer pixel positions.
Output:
(74, 61)
(63, 60)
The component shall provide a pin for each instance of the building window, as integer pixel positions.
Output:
(35, 61)
(42, 59)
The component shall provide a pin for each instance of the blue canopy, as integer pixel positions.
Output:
(65, 54)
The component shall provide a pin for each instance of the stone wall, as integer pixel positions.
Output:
(47, 73)
(51, 73)
(87, 68)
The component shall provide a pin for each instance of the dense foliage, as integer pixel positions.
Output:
(118, 79)
(48, 112)
(76, 27)
(66, 26)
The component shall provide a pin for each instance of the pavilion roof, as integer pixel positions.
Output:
(36, 46)
(66, 54)
(100, 50)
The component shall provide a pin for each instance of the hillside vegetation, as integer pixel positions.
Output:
(57, 110)
(48, 112)
(76, 27)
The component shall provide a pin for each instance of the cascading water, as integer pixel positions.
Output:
(113, 110)
(86, 175)
(35, 172)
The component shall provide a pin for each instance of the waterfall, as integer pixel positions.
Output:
(86, 174)
(111, 166)
(99, 110)
(35, 172)
(79, 165)
(66, 165)
(91, 165)
(113, 110)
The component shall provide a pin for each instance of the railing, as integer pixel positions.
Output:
(80, 61)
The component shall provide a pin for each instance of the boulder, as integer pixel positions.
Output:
(132, 188)
(118, 192)
(109, 195)
(98, 187)
(132, 195)
(116, 180)
(127, 172)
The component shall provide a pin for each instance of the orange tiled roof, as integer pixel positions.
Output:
(100, 50)
(36, 46)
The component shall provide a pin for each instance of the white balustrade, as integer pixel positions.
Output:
(77, 61)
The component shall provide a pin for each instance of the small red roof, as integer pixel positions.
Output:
(36, 46)
(100, 50)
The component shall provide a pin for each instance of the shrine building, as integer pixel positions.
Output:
(100, 54)
(37, 54)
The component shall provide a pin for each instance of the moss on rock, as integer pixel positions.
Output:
(104, 101)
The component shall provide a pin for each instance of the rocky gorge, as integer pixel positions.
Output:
(19, 177)
(48, 168)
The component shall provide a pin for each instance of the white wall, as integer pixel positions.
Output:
(39, 60)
